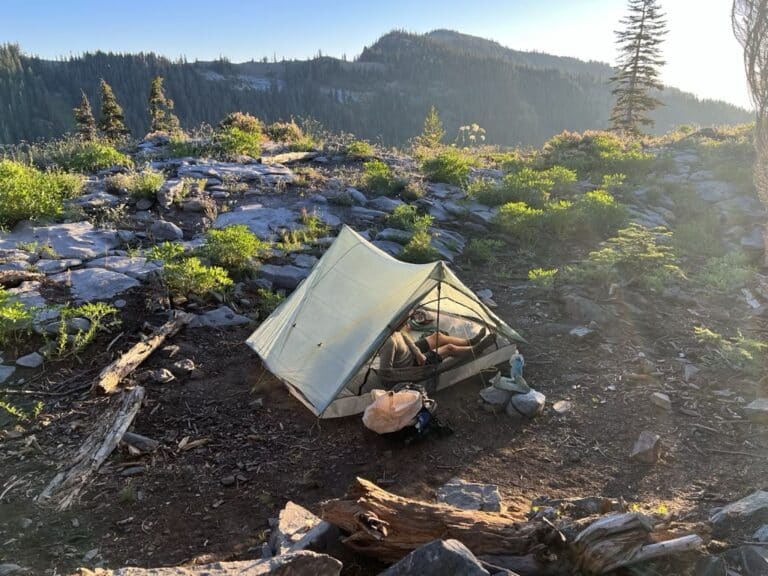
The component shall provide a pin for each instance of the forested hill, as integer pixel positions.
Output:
(518, 97)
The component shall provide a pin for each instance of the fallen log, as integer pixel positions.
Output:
(287, 157)
(117, 418)
(12, 278)
(111, 376)
(388, 527)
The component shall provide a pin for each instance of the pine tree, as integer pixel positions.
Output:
(161, 109)
(111, 119)
(433, 132)
(84, 121)
(638, 66)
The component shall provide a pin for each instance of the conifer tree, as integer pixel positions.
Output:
(161, 109)
(111, 119)
(433, 131)
(84, 121)
(638, 66)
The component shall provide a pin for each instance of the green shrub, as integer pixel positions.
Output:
(699, 237)
(599, 214)
(284, 132)
(636, 255)
(419, 249)
(726, 274)
(75, 155)
(542, 278)
(739, 352)
(234, 141)
(242, 121)
(521, 221)
(268, 300)
(407, 217)
(145, 184)
(189, 277)
(562, 220)
(26, 193)
(413, 190)
(359, 149)
(533, 187)
(483, 250)
(101, 318)
(233, 247)
(450, 166)
(378, 176)
(15, 318)
(166, 251)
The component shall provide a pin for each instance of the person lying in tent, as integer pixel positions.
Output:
(400, 351)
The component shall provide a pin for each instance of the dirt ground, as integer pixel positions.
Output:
(264, 447)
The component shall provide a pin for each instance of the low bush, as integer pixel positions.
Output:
(377, 175)
(284, 132)
(141, 184)
(268, 301)
(101, 318)
(483, 250)
(359, 149)
(521, 221)
(233, 247)
(542, 278)
(413, 190)
(242, 121)
(598, 214)
(26, 193)
(15, 318)
(450, 166)
(419, 249)
(534, 187)
(725, 274)
(166, 251)
(189, 277)
(73, 154)
(407, 217)
(739, 352)
(637, 256)
(239, 133)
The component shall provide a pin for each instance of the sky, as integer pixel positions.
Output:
(701, 53)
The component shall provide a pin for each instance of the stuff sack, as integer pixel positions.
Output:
(392, 411)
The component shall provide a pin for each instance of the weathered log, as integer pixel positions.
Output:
(111, 376)
(388, 527)
(12, 278)
(287, 157)
(139, 444)
(116, 419)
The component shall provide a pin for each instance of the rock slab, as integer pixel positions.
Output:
(221, 317)
(438, 558)
(296, 528)
(526, 405)
(89, 284)
(750, 510)
(470, 495)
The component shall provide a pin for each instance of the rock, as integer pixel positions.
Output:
(757, 410)
(438, 558)
(385, 204)
(647, 448)
(96, 200)
(662, 401)
(228, 480)
(95, 283)
(689, 371)
(711, 566)
(72, 240)
(751, 560)
(304, 260)
(581, 332)
(6, 372)
(368, 214)
(33, 360)
(356, 196)
(753, 241)
(164, 230)
(144, 203)
(562, 407)
(261, 220)
(296, 528)
(119, 303)
(11, 570)
(90, 555)
(54, 266)
(264, 174)
(183, 367)
(15, 266)
(494, 399)
(301, 563)
(761, 534)
(584, 310)
(750, 511)
(470, 495)
(169, 192)
(135, 267)
(713, 191)
(28, 293)
(391, 248)
(526, 405)
(221, 317)
(161, 376)
(287, 277)
(394, 235)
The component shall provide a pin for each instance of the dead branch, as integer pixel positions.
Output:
(95, 450)
(111, 376)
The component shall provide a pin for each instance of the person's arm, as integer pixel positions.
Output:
(420, 358)
(387, 354)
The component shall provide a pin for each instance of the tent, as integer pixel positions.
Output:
(323, 339)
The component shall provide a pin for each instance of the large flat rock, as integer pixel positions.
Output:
(73, 240)
(287, 276)
(438, 558)
(259, 173)
(95, 283)
(221, 317)
(470, 495)
(133, 266)
(261, 220)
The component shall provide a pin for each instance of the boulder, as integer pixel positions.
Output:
(304, 260)
(6, 372)
(296, 528)
(28, 293)
(751, 560)
(261, 220)
(144, 203)
(494, 399)
(287, 277)
(761, 534)
(711, 566)
(71, 240)
(367, 214)
(585, 310)
(751, 511)
(757, 410)
(90, 284)
(385, 204)
(221, 317)
(163, 230)
(391, 248)
(526, 405)
(55, 266)
(33, 360)
(264, 174)
(133, 266)
(394, 235)
(302, 563)
(470, 495)
(647, 448)
(169, 192)
(438, 558)
(357, 196)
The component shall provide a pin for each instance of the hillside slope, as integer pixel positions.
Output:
(519, 97)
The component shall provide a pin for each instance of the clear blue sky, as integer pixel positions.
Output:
(701, 53)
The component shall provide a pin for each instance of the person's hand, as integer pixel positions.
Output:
(421, 359)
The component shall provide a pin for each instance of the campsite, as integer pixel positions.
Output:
(255, 343)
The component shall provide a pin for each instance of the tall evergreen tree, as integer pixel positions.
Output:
(638, 66)
(84, 121)
(161, 109)
(111, 119)
(750, 25)
(433, 132)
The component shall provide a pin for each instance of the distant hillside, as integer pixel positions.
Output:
(519, 97)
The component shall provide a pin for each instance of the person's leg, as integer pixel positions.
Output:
(436, 340)
(454, 350)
